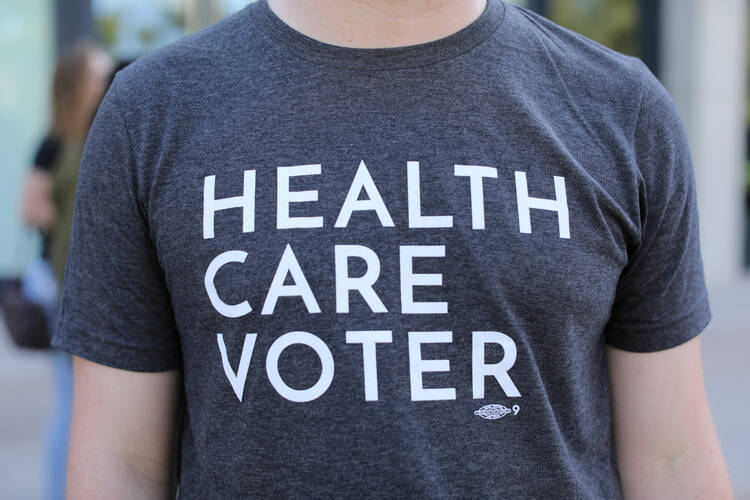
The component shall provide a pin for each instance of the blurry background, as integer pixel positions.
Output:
(698, 49)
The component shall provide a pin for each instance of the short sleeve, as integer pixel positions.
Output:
(115, 307)
(661, 299)
(46, 154)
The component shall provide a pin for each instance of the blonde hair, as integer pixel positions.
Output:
(70, 120)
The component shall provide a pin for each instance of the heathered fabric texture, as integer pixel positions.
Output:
(611, 257)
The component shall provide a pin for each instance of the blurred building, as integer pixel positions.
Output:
(705, 68)
(698, 48)
(27, 41)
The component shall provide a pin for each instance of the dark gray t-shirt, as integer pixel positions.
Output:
(386, 272)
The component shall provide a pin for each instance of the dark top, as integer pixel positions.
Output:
(44, 159)
(47, 153)
(386, 272)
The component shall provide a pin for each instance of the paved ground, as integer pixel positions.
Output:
(726, 350)
(25, 392)
(25, 401)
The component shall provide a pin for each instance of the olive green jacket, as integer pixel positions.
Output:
(64, 177)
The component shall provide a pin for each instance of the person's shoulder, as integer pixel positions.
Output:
(537, 33)
(192, 60)
(610, 91)
(575, 57)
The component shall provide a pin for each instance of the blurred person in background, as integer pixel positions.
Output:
(81, 76)
(551, 352)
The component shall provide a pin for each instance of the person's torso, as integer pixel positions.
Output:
(393, 282)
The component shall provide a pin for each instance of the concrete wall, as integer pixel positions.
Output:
(704, 68)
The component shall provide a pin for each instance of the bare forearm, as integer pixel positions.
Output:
(691, 475)
(115, 479)
(37, 207)
(665, 440)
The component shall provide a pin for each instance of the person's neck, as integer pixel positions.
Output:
(377, 23)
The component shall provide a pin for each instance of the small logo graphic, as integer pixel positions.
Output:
(494, 411)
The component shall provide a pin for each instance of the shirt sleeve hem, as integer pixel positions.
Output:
(79, 342)
(659, 338)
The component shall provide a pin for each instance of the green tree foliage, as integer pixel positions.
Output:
(613, 23)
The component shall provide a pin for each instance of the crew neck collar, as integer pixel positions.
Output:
(408, 56)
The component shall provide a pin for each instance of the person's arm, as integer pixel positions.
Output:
(122, 432)
(37, 207)
(666, 444)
